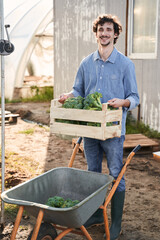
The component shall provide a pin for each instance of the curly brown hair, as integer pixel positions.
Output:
(108, 18)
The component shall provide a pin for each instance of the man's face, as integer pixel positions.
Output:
(105, 34)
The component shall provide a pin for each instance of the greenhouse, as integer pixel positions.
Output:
(31, 33)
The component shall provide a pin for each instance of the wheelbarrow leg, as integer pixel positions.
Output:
(68, 230)
(64, 233)
(85, 233)
(38, 224)
(106, 223)
(17, 222)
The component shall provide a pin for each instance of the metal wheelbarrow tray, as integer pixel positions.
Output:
(89, 188)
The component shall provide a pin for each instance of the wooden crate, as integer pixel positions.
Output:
(104, 116)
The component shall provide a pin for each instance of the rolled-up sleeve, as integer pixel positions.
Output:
(130, 86)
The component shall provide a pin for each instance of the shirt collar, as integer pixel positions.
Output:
(96, 56)
(111, 58)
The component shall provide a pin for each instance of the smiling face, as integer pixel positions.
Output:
(105, 34)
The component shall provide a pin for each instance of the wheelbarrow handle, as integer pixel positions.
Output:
(115, 185)
(79, 140)
(136, 149)
(75, 151)
(117, 181)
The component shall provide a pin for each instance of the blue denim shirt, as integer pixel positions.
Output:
(114, 78)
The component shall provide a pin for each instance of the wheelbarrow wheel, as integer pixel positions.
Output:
(46, 232)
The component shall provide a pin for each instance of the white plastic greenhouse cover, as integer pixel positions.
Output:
(26, 19)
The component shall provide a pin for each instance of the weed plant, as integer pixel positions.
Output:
(29, 131)
(133, 127)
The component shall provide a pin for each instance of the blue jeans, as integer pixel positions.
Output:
(113, 149)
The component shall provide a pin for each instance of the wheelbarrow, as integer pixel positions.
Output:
(90, 188)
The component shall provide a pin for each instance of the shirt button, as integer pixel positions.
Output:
(100, 77)
(102, 65)
(99, 89)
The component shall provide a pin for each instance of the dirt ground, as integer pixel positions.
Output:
(43, 151)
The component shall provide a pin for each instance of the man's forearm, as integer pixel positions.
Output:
(126, 103)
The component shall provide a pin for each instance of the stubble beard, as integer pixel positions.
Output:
(105, 44)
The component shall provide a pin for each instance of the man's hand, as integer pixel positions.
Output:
(116, 102)
(64, 96)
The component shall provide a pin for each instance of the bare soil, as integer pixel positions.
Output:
(42, 151)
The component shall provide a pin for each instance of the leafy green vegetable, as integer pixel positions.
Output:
(59, 202)
(111, 108)
(93, 124)
(67, 203)
(109, 124)
(75, 102)
(68, 121)
(75, 202)
(93, 102)
(55, 201)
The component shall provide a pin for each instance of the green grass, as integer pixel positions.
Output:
(44, 94)
(11, 210)
(133, 127)
(41, 95)
(27, 131)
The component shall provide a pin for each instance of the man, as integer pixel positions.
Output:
(111, 73)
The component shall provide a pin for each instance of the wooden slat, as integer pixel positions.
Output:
(6, 112)
(113, 115)
(78, 114)
(112, 131)
(132, 140)
(10, 115)
(80, 130)
(76, 130)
